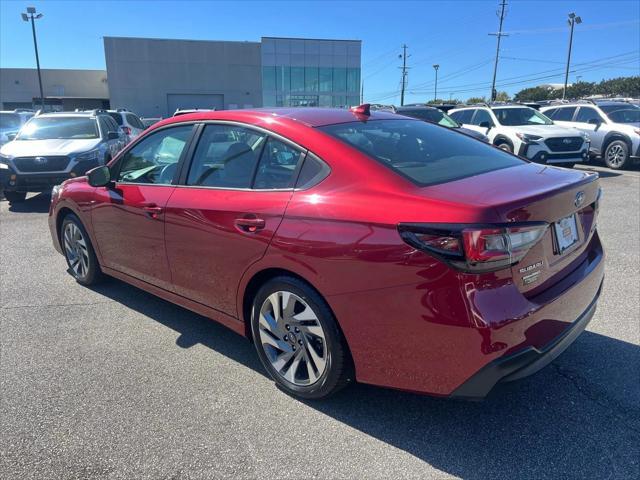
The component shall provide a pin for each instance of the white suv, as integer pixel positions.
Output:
(129, 123)
(614, 128)
(522, 130)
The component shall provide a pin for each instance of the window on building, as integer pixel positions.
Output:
(339, 79)
(353, 80)
(283, 79)
(326, 79)
(311, 79)
(268, 78)
(297, 79)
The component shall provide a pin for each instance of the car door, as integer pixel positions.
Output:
(128, 216)
(224, 213)
(482, 122)
(589, 120)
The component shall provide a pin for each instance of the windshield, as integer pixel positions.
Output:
(430, 115)
(422, 153)
(47, 128)
(520, 116)
(622, 113)
(9, 120)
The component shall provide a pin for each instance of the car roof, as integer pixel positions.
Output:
(416, 107)
(69, 114)
(309, 116)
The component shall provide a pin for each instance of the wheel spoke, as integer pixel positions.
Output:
(318, 361)
(290, 373)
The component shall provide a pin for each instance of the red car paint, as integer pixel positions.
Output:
(411, 321)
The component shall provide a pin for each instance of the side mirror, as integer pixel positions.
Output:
(486, 124)
(595, 121)
(12, 136)
(113, 135)
(99, 176)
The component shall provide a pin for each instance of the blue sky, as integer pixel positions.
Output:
(453, 34)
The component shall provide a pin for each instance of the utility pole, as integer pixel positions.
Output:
(404, 73)
(31, 15)
(573, 19)
(362, 93)
(499, 35)
(435, 89)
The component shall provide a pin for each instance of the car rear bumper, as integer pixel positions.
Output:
(525, 362)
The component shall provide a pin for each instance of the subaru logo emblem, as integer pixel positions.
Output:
(579, 199)
(566, 141)
(41, 160)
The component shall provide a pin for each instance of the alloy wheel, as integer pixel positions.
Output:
(75, 247)
(292, 338)
(616, 155)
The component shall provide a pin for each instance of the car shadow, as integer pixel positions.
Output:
(577, 418)
(35, 204)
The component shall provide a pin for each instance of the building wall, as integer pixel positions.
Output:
(307, 72)
(151, 76)
(20, 85)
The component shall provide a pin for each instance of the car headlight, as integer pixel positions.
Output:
(55, 192)
(527, 138)
(586, 137)
(4, 162)
(90, 156)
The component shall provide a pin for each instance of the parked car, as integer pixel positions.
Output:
(613, 126)
(347, 244)
(185, 111)
(128, 122)
(53, 147)
(526, 132)
(434, 115)
(11, 121)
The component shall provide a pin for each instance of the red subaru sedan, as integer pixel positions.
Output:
(347, 244)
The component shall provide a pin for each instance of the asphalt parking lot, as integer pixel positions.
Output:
(115, 383)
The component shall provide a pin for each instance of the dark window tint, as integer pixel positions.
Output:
(423, 153)
(155, 158)
(587, 113)
(134, 121)
(482, 118)
(226, 156)
(564, 114)
(549, 113)
(462, 116)
(116, 116)
(313, 171)
(110, 123)
(278, 164)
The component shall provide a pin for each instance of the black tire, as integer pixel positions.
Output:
(91, 274)
(15, 197)
(506, 146)
(338, 367)
(616, 155)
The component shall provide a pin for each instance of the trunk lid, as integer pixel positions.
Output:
(536, 193)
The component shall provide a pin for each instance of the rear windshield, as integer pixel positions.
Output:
(424, 153)
(117, 117)
(56, 127)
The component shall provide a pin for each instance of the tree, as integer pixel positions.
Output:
(477, 100)
(533, 94)
(502, 97)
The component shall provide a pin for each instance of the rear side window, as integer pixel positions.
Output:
(313, 171)
(134, 121)
(278, 165)
(423, 153)
(462, 116)
(564, 114)
(226, 157)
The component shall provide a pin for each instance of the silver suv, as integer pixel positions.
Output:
(53, 147)
(613, 126)
(128, 122)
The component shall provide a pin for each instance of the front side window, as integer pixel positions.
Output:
(564, 114)
(423, 153)
(462, 116)
(586, 114)
(226, 157)
(512, 117)
(482, 118)
(59, 127)
(154, 159)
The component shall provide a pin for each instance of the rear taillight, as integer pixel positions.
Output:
(474, 248)
(126, 130)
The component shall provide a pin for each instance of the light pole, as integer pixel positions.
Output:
(435, 90)
(573, 19)
(31, 15)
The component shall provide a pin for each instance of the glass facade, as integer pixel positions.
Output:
(297, 72)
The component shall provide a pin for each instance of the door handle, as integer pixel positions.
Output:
(152, 210)
(250, 225)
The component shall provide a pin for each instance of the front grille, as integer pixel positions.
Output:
(41, 164)
(564, 144)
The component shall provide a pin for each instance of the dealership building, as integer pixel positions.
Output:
(154, 77)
